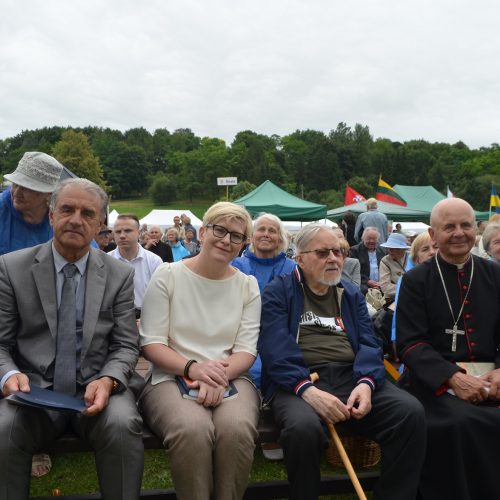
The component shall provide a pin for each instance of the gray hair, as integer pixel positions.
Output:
(282, 233)
(307, 234)
(491, 229)
(85, 185)
(370, 228)
(371, 203)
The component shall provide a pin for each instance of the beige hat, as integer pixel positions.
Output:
(36, 171)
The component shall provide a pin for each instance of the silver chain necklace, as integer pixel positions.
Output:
(455, 331)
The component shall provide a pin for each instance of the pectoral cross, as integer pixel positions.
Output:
(454, 331)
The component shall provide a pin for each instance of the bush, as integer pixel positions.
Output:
(163, 189)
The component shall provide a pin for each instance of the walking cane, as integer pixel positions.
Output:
(343, 455)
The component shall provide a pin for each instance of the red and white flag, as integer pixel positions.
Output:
(352, 196)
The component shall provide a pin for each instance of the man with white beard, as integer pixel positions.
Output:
(313, 322)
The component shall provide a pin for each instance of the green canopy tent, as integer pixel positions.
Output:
(270, 198)
(425, 197)
(393, 212)
(420, 201)
(419, 197)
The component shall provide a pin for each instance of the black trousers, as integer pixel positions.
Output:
(396, 422)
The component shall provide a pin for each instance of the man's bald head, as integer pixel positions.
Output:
(453, 229)
(449, 205)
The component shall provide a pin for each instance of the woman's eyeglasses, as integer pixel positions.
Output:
(221, 231)
(323, 253)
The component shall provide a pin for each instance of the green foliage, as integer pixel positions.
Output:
(305, 161)
(478, 191)
(163, 188)
(332, 198)
(364, 187)
(241, 189)
(75, 153)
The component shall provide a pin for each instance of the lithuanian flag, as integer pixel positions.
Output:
(388, 194)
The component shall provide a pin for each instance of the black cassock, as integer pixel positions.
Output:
(463, 447)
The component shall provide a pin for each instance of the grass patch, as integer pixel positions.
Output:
(75, 473)
(142, 206)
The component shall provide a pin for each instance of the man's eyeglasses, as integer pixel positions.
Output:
(221, 231)
(323, 253)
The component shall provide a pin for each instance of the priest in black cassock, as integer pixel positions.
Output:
(449, 312)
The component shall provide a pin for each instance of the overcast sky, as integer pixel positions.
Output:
(426, 69)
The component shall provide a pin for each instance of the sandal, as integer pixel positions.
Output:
(40, 465)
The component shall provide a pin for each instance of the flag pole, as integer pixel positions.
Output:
(491, 192)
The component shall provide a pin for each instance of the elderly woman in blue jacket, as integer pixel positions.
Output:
(265, 259)
(179, 251)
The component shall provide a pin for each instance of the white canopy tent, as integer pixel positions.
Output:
(296, 226)
(112, 218)
(165, 218)
(417, 227)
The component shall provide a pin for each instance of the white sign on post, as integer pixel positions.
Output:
(227, 181)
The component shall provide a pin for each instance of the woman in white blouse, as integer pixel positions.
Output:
(200, 319)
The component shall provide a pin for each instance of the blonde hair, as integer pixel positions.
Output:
(491, 230)
(231, 212)
(421, 240)
(282, 233)
(173, 230)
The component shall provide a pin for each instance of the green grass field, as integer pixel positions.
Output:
(74, 473)
(142, 206)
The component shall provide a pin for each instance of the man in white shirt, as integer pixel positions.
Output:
(129, 250)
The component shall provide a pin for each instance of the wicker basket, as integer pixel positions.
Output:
(362, 452)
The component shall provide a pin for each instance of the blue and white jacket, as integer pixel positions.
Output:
(282, 363)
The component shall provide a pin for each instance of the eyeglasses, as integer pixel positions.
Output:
(221, 231)
(323, 253)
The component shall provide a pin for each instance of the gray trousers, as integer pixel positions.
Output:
(115, 434)
(210, 449)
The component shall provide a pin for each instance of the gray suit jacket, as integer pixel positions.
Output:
(28, 317)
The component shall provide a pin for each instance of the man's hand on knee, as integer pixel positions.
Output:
(360, 401)
(328, 407)
(16, 382)
(97, 395)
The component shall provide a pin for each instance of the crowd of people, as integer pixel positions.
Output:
(228, 322)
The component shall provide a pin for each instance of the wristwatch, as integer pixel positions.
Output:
(116, 386)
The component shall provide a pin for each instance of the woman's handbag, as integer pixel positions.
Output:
(375, 298)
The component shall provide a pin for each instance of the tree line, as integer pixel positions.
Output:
(309, 163)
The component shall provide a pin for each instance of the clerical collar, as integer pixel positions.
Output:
(459, 267)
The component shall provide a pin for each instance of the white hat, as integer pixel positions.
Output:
(396, 240)
(36, 171)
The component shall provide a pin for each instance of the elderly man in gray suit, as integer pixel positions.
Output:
(67, 323)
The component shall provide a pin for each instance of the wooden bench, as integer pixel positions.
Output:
(71, 443)
(268, 432)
